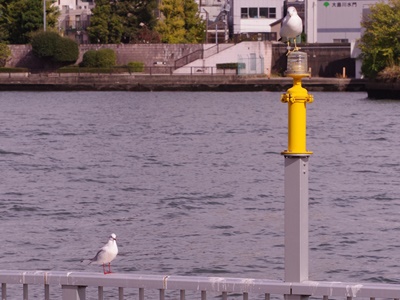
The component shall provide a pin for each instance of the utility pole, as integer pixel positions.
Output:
(44, 15)
(207, 18)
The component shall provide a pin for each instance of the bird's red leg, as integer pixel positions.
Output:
(104, 269)
(109, 267)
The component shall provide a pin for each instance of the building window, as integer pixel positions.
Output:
(340, 40)
(244, 13)
(253, 12)
(268, 12)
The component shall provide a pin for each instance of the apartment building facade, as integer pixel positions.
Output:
(75, 18)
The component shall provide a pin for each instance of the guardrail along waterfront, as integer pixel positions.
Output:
(73, 285)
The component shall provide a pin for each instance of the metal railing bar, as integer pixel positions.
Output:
(25, 291)
(245, 286)
(348, 290)
(3, 291)
(245, 296)
(141, 293)
(203, 295)
(47, 292)
(219, 284)
(121, 293)
(162, 294)
(100, 292)
(182, 295)
(224, 295)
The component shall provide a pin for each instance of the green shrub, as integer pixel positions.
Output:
(135, 66)
(106, 58)
(5, 53)
(50, 45)
(66, 51)
(233, 66)
(89, 59)
(94, 70)
(44, 43)
(103, 58)
(14, 70)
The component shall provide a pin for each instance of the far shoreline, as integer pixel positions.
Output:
(143, 82)
(196, 83)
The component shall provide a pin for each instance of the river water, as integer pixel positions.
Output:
(192, 183)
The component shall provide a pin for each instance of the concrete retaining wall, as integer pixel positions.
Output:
(325, 60)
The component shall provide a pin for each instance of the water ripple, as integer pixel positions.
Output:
(192, 183)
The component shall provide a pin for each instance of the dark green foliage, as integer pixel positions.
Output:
(44, 44)
(233, 66)
(106, 58)
(66, 51)
(380, 43)
(89, 59)
(120, 21)
(112, 70)
(103, 58)
(50, 45)
(5, 53)
(181, 22)
(19, 18)
(14, 70)
(135, 66)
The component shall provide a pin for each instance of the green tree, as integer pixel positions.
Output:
(20, 18)
(105, 26)
(5, 53)
(194, 25)
(380, 43)
(181, 22)
(136, 15)
(119, 21)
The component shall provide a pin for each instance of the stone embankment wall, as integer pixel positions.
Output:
(149, 54)
(325, 60)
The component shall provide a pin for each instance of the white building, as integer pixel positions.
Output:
(75, 17)
(255, 16)
(340, 20)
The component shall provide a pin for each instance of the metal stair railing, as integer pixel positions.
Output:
(198, 54)
(187, 59)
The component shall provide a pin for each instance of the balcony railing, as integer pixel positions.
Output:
(74, 284)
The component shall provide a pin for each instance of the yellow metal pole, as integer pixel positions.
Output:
(297, 97)
(296, 175)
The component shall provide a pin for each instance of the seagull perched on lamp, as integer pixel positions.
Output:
(292, 26)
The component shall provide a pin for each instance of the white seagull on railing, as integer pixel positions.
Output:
(106, 254)
(292, 26)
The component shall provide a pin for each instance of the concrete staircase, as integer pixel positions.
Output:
(256, 56)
